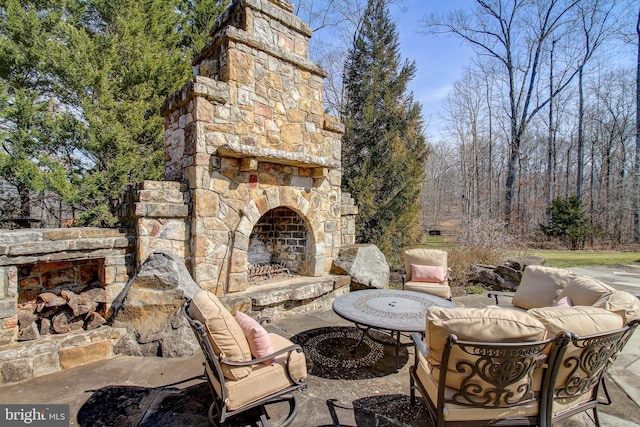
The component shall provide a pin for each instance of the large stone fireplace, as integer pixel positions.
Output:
(252, 189)
(249, 139)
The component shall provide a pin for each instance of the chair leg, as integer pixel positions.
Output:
(603, 383)
(293, 410)
(412, 390)
(595, 416)
(214, 416)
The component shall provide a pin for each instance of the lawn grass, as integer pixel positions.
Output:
(555, 258)
(563, 259)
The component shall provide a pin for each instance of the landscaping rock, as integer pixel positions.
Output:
(151, 306)
(520, 263)
(486, 276)
(365, 264)
(510, 277)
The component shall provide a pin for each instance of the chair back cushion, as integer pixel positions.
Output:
(487, 325)
(580, 365)
(541, 286)
(583, 290)
(623, 304)
(423, 256)
(226, 336)
(579, 320)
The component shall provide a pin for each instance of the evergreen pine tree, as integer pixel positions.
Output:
(81, 85)
(383, 147)
(35, 126)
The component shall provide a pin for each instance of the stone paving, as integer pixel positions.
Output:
(355, 389)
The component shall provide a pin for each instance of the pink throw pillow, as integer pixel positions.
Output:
(564, 302)
(428, 273)
(257, 336)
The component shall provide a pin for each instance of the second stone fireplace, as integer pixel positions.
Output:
(258, 158)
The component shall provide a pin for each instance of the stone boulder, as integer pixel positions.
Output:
(365, 264)
(504, 277)
(151, 309)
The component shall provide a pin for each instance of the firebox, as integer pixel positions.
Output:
(278, 245)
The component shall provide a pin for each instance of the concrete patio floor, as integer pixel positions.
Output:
(134, 391)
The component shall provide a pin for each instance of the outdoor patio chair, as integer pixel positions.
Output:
(482, 384)
(426, 270)
(578, 373)
(240, 381)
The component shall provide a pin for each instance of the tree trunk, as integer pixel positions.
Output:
(551, 145)
(636, 165)
(580, 159)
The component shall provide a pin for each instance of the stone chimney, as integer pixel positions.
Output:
(249, 135)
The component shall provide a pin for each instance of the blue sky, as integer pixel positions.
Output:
(440, 60)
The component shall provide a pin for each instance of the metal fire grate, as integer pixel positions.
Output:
(266, 271)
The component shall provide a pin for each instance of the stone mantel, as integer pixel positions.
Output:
(241, 151)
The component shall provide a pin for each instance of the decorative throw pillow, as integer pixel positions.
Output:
(428, 273)
(257, 336)
(541, 286)
(564, 302)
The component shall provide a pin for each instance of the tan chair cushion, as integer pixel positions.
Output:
(265, 379)
(541, 286)
(429, 379)
(485, 325)
(490, 324)
(623, 304)
(226, 336)
(423, 256)
(583, 290)
(580, 320)
(441, 290)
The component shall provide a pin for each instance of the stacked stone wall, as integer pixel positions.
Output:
(348, 211)
(158, 213)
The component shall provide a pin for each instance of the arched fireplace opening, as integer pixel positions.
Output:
(278, 245)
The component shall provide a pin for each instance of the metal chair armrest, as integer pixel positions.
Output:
(419, 344)
(286, 350)
(500, 294)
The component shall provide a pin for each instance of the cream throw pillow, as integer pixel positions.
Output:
(584, 290)
(541, 286)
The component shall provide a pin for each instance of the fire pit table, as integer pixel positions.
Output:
(391, 311)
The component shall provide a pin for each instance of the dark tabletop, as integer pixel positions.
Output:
(393, 310)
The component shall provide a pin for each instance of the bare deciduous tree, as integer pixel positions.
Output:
(513, 33)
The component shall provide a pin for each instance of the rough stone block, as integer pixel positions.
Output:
(45, 363)
(71, 357)
(16, 370)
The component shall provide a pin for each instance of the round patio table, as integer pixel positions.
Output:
(387, 310)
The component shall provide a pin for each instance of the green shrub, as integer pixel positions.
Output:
(568, 221)
(475, 289)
